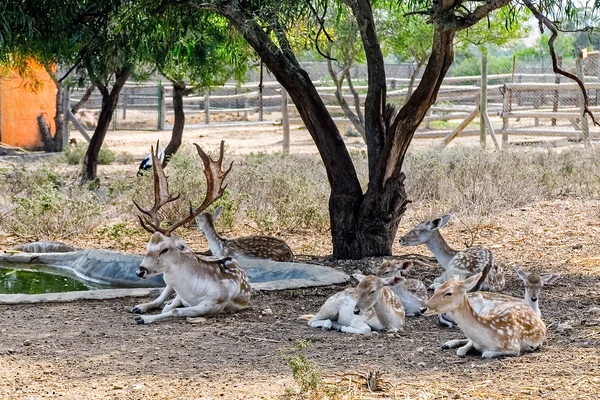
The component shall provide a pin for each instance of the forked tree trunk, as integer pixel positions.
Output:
(109, 103)
(361, 224)
(178, 123)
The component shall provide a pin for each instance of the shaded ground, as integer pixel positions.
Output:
(93, 350)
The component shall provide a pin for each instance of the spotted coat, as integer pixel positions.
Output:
(259, 246)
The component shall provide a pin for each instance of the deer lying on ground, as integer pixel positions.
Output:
(412, 292)
(533, 282)
(266, 247)
(371, 305)
(203, 286)
(463, 263)
(506, 329)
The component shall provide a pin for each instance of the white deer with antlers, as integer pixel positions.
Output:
(203, 286)
(504, 329)
(463, 263)
(258, 246)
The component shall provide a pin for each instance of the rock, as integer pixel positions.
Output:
(577, 246)
(267, 311)
(27, 342)
(594, 310)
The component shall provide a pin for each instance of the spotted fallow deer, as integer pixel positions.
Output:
(203, 286)
(463, 263)
(371, 305)
(412, 292)
(259, 246)
(506, 329)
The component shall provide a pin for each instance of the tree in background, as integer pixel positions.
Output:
(194, 51)
(362, 223)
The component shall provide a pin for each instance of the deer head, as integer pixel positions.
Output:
(370, 291)
(422, 233)
(534, 282)
(389, 269)
(449, 296)
(164, 246)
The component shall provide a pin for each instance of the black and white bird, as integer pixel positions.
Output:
(146, 163)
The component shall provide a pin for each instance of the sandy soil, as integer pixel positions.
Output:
(93, 350)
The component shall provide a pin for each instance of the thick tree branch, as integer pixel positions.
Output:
(457, 23)
(544, 21)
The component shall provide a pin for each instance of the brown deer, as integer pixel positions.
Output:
(505, 329)
(203, 286)
(265, 247)
(412, 292)
(463, 263)
(371, 305)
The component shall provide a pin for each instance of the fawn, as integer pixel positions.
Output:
(412, 292)
(259, 246)
(507, 328)
(371, 305)
(463, 263)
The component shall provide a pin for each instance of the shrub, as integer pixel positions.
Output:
(74, 154)
(48, 212)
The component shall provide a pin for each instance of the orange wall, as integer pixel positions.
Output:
(20, 106)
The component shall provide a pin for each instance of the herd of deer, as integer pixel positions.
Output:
(465, 294)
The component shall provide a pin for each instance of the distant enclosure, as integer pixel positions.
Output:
(529, 101)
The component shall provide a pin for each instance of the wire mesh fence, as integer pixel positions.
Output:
(530, 100)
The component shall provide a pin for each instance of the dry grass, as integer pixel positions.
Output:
(286, 194)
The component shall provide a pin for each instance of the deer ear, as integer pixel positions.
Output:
(549, 278)
(453, 278)
(522, 274)
(441, 221)
(393, 281)
(358, 277)
(471, 281)
(406, 265)
(217, 213)
(182, 247)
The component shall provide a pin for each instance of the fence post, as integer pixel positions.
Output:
(584, 122)
(285, 120)
(207, 106)
(507, 97)
(125, 99)
(66, 110)
(161, 106)
(246, 105)
(483, 98)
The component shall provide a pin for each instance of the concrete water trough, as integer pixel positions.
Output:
(114, 270)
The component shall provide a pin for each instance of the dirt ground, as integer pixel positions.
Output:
(94, 350)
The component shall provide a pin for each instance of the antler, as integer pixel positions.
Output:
(161, 196)
(213, 170)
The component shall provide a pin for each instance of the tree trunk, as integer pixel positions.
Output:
(59, 118)
(86, 96)
(109, 103)
(361, 225)
(178, 124)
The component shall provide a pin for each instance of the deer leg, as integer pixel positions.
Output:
(446, 320)
(452, 344)
(357, 327)
(329, 311)
(177, 302)
(493, 353)
(154, 305)
(324, 324)
(462, 351)
(204, 308)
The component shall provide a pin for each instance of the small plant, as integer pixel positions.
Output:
(74, 154)
(306, 375)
